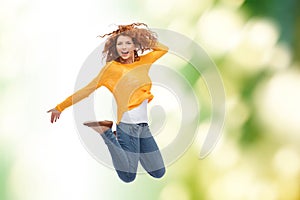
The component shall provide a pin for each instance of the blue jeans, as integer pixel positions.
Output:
(134, 143)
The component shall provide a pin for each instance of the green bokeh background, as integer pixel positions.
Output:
(254, 43)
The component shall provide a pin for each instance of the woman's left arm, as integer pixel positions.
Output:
(160, 47)
(159, 50)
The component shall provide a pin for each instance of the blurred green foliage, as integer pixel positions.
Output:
(255, 144)
(250, 151)
(285, 13)
(5, 167)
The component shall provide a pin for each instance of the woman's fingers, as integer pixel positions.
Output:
(52, 118)
(57, 116)
(54, 114)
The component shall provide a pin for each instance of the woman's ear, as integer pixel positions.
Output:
(137, 46)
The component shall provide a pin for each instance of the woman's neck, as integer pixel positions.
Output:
(127, 61)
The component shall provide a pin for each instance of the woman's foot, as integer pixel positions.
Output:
(99, 126)
(99, 123)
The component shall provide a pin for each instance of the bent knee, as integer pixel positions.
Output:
(126, 176)
(158, 173)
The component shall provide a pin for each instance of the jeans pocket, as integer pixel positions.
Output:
(123, 128)
(132, 130)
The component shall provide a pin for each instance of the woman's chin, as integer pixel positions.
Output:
(125, 58)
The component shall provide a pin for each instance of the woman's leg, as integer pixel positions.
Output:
(122, 150)
(150, 156)
(128, 139)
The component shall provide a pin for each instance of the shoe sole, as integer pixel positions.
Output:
(98, 123)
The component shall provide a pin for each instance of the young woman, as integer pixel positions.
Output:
(126, 76)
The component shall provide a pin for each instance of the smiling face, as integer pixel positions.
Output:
(125, 48)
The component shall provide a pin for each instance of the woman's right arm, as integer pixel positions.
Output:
(77, 96)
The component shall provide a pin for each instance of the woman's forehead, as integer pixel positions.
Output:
(124, 38)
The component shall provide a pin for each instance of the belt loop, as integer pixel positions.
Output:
(142, 124)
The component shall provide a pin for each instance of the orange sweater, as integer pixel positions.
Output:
(129, 83)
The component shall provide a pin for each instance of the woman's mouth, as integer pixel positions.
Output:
(125, 53)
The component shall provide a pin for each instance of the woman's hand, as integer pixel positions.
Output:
(54, 114)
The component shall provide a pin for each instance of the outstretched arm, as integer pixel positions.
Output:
(76, 97)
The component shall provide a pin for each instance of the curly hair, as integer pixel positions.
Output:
(143, 39)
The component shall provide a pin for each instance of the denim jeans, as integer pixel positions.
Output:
(134, 143)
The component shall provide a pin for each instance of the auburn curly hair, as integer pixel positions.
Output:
(142, 37)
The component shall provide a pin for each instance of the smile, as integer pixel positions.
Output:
(125, 52)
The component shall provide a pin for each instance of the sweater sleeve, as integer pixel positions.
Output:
(82, 93)
(158, 51)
